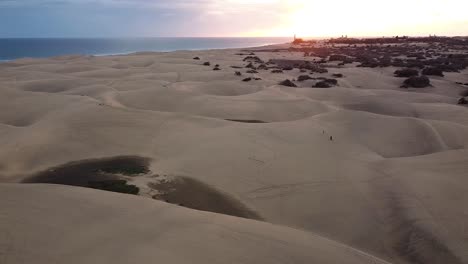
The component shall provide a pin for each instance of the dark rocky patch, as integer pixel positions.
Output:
(302, 78)
(417, 82)
(247, 79)
(332, 81)
(369, 63)
(253, 59)
(216, 68)
(207, 63)
(238, 73)
(337, 75)
(252, 71)
(318, 69)
(462, 101)
(323, 84)
(287, 83)
(196, 58)
(326, 83)
(433, 71)
(251, 66)
(406, 73)
(375, 54)
(277, 71)
(338, 57)
(322, 61)
(300, 64)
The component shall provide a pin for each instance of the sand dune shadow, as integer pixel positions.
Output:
(192, 193)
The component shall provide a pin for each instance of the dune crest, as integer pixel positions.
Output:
(252, 170)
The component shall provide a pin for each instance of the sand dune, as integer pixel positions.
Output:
(83, 226)
(367, 165)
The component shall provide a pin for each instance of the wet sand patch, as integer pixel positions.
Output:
(105, 174)
(116, 174)
(194, 194)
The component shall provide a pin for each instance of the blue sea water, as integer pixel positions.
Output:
(46, 47)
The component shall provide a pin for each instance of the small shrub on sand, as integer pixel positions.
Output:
(302, 78)
(326, 83)
(288, 83)
(417, 82)
(323, 84)
(406, 73)
(433, 71)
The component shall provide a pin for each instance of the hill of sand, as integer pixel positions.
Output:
(323, 174)
(59, 224)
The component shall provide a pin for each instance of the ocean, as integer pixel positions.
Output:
(14, 48)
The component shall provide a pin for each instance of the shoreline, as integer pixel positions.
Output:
(100, 47)
(144, 51)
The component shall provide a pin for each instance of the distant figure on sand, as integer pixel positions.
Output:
(331, 138)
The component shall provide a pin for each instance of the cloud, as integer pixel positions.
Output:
(225, 5)
(70, 18)
(229, 17)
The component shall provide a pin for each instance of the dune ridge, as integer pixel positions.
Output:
(331, 173)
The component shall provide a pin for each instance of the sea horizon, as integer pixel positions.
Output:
(16, 48)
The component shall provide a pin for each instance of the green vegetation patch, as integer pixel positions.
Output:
(119, 186)
(125, 169)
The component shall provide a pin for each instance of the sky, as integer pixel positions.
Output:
(231, 18)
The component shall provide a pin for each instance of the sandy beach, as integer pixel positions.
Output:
(344, 163)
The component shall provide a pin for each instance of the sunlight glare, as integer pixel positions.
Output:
(313, 18)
